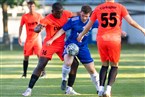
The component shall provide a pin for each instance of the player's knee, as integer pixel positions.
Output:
(114, 64)
(26, 58)
(68, 63)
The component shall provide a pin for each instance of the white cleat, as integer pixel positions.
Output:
(27, 92)
(100, 93)
(107, 94)
(71, 91)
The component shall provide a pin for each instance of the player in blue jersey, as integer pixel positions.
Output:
(76, 25)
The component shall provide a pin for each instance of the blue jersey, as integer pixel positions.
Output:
(76, 26)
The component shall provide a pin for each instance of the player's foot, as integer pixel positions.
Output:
(43, 74)
(71, 91)
(27, 92)
(23, 75)
(63, 85)
(107, 94)
(100, 93)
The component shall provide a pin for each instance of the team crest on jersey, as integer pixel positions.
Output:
(75, 18)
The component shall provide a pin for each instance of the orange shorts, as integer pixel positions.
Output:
(109, 50)
(48, 51)
(31, 48)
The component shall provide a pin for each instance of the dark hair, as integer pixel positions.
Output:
(86, 9)
(57, 6)
(31, 2)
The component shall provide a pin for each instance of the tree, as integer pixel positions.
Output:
(5, 4)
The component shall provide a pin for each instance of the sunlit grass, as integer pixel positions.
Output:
(130, 80)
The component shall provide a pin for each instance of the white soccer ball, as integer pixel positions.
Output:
(72, 49)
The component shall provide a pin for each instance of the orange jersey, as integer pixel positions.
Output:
(31, 21)
(109, 15)
(53, 25)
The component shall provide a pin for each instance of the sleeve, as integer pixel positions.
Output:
(96, 24)
(124, 11)
(68, 13)
(22, 21)
(67, 26)
(94, 15)
(45, 21)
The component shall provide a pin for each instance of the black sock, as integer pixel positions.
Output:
(33, 80)
(71, 79)
(112, 75)
(103, 74)
(25, 66)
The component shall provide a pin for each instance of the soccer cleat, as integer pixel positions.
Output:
(63, 85)
(100, 93)
(23, 75)
(27, 92)
(107, 94)
(71, 91)
(43, 74)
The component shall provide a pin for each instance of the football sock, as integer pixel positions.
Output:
(71, 79)
(112, 75)
(108, 89)
(25, 66)
(101, 88)
(73, 71)
(65, 71)
(74, 66)
(33, 80)
(95, 80)
(103, 75)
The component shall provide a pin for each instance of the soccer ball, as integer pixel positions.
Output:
(72, 49)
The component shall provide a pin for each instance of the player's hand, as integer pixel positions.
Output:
(123, 34)
(143, 30)
(19, 41)
(38, 28)
(49, 42)
(79, 38)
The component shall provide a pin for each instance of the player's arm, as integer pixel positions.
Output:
(75, 13)
(133, 23)
(58, 34)
(20, 32)
(86, 30)
(38, 28)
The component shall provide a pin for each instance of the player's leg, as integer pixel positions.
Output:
(72, 77)
(72, 74)
(114, 55)
(43, 73)
(85, 57)
(104, 56)
(68, 60)
(28, 50)
(25, 66)
(36, 73)
(111, 78)
(93, 74)
(37, 50)
(103, 75)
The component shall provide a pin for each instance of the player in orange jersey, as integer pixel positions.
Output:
(109, 15)
(33, 43)
(53, 23)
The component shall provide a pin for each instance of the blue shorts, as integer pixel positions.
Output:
(84, 55)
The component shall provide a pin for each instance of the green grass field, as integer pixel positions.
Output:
(130, 81)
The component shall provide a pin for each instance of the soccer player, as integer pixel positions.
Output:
(76, 25)
(53, 23)
(109, 15)
(33, 42)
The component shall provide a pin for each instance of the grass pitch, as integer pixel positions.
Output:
(130, 80)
